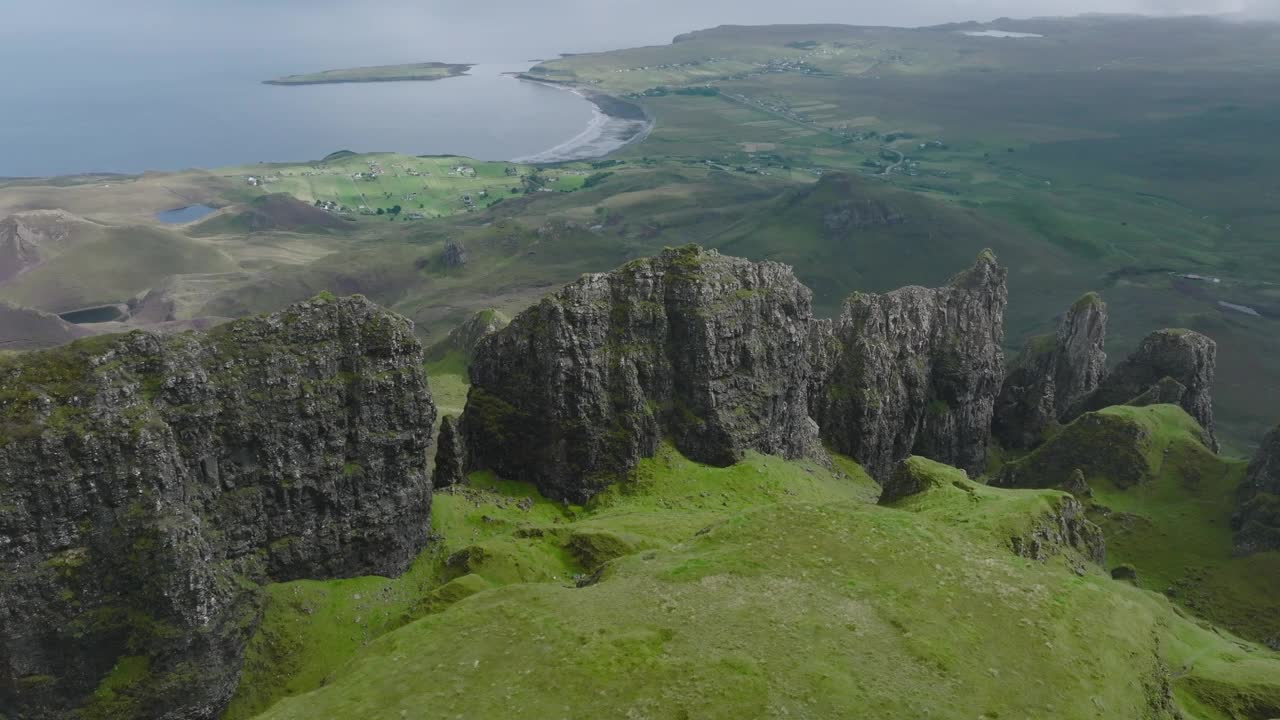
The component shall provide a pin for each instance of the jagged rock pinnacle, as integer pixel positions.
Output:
(915, 372)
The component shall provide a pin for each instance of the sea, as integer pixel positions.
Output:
(178, 85)
(131, 115)
(135, 85)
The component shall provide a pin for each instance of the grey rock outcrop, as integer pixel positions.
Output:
(1053, 376)
(450, 454)
(1257, 522)
(1064, 526)
(1185, 357)
(455, 254)
(914, 372)
(464, 338)
(29, 238)
(148, 484)
(707, 350)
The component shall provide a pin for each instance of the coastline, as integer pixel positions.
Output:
(615, 124)
(398, 73)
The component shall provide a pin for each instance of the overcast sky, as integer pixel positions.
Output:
(488, 30)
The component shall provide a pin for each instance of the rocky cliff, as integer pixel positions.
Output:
(707, 350)
(1170, 366)
(1053, 376)
(464, 339)
(149, 484)
(914, 372)
(451, 454)
(1257, 523)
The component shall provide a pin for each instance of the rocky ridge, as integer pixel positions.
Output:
(723, 355)
(914, 372)
(707, 350)
(148, 485)
(466, 337)
(29, 238)
(1257, 522)
(1172, 366)
(1053, 376)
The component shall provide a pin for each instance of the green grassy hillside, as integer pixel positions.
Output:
(98, 264)
(1165, 503)
(849, 232)
(764, 590)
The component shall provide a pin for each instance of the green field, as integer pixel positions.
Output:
(430, 187)
(376, 73)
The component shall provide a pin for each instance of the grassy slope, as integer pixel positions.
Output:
(436, 190)
(1165, 503)
(1175, 528)
(933, 242)
(312, 628)
(111, 265)
(775, 590)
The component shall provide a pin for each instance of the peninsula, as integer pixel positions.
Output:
(376, 73)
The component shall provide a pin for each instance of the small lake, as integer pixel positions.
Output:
(85, 316)
(187, 214)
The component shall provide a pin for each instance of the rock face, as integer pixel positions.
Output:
(914, 372)
(707, 350)
(148, 484)
(1053, 376)
(1064, 525)
(450, 454)
(1257, 522)
(464, 338)
(27, 239)
(1185, 357)
(455, 255)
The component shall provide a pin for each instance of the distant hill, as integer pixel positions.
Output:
(28, 239)
(27, 329)
(56, 261)
(278, 211)
(848, 232)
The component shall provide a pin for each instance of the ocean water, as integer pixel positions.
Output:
(132, 113)
(136, 85)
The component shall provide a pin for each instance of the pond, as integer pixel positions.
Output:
(189, 213)
(101, 314)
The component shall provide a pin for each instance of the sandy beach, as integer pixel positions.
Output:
(614, 124)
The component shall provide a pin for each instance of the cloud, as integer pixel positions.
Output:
(463, 30)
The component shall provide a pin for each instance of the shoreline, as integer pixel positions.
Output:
(615, 124)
